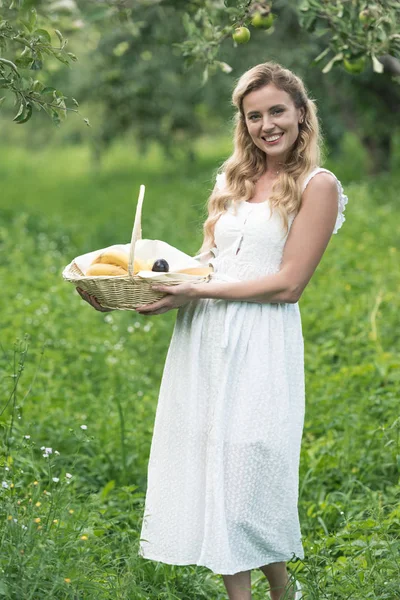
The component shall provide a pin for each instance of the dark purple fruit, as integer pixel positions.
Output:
(161, 266)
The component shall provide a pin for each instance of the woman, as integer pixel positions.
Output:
(223, 471)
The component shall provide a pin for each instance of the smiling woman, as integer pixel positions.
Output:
(223, 473)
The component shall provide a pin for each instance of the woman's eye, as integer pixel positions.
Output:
(278, 110)
(253, 117)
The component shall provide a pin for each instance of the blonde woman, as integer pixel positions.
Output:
(222, 487)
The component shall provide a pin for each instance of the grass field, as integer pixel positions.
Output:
(85, 384)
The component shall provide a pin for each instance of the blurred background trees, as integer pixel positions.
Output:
(162, 70)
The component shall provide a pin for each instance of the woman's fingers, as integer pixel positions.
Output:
(92, 300)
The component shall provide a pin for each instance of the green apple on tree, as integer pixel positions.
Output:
(354, 66)
(262, 21)
(241, 35)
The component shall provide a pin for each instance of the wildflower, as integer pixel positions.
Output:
(83, 426)
(24, 527)
(35, 483)
(68, 475)
(56, 452)
(11, 485)
(27, 437)
(38, 504)
(56, 479)
(71, 511)
(9, 518)
(4, 484)
(67, 580)
(37, 520)
(39, 527)
(84, 537)
(55, 521)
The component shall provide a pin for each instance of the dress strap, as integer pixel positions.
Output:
(342, 198)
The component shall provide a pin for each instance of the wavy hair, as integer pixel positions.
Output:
(248, 162)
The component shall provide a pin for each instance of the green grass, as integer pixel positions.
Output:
(64, 365)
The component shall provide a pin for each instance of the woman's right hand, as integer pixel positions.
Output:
(92, 300)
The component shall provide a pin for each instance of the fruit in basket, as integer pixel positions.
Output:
(142, 265)
(104, 270)
(161, 266)
(112, 257)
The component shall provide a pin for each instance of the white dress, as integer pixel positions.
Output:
(222, 487)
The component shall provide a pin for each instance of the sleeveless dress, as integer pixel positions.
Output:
(223, 472)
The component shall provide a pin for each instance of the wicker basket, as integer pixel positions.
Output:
(126, 292)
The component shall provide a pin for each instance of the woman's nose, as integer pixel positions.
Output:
(267, 123)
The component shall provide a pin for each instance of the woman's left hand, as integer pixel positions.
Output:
(177, 295)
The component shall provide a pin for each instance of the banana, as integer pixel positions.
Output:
(112, 257)
(104, 270)
(142, 265)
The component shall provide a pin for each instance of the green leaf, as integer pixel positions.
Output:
(24, 62)
(59, 35)
(32, 19)
(376, 64)
(87, 122)
(42, 33)
(27, 115)
(321, 56)
(48, 90)
(107, 489)
(2, 101)
(75, 101)
(20, 111)
(37, 65)
(330, 64)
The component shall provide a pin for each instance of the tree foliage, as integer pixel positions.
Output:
(27, 41)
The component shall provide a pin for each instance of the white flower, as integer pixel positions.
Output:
(56, 452)
(4, 484)
(48, 450)
(68, 475)
(27, 437)
(24, 527)
(83, 426)
(56, 479)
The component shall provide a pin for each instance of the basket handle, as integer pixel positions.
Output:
(137, 230)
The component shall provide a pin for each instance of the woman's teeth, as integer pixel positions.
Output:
(272, 138)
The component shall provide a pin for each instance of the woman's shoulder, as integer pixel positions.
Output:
(315, 171)
(342, 198)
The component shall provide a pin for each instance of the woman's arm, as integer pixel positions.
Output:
(307, 240)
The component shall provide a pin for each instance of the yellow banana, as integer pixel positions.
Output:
(103, 269)
(112, 257)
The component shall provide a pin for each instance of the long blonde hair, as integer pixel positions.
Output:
(248, 162)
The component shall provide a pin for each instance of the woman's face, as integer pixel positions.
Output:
(271, 113)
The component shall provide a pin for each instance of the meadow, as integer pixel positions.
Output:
(79, 388)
